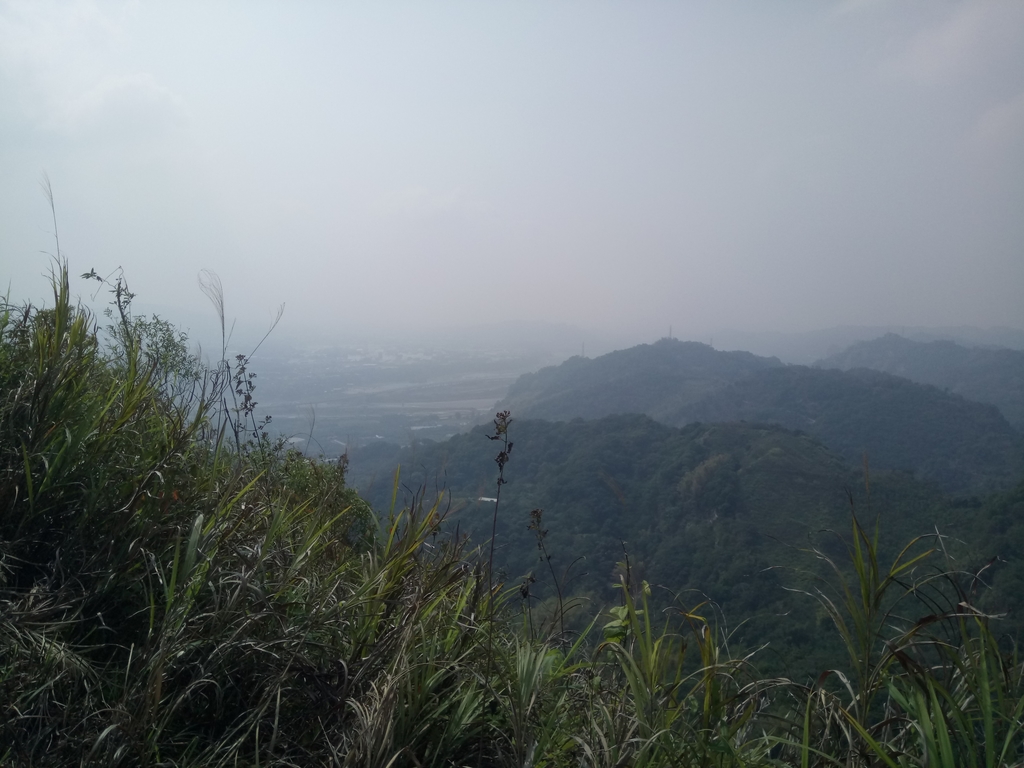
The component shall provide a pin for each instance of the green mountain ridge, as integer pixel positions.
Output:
(654, 379)
(994, 376)
(965, 447)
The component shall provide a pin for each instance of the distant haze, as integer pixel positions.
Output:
(620, 168)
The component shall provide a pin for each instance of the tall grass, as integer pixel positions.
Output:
(175, 589)
(927, 683)
(172, 597)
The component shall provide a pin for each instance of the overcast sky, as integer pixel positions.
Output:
(628, 166)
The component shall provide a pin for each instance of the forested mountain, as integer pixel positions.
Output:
(1002, 527)
(703, 512)
(963, 446)
(994, 376)
(656, 379)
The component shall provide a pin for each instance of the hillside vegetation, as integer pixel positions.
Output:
(962, 446)
(177, 589)
(653, 379)
(706, 512)
(994, 376)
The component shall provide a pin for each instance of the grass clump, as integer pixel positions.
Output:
(175, 591)
(927, 683)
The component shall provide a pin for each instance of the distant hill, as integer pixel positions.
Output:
(704, 512)
(804, 347)
(655, 379)
(994, 376)
(963, 446)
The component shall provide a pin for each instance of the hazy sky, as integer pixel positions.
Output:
(629, 165)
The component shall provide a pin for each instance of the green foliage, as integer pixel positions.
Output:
(962, 446)
(660, 707)
(654, 379)
(985, 375)
(706, 512)
(168, 598)
(999, 541)
(927, 683)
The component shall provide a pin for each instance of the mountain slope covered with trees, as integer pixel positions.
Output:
(994, 376)
(705, 512)
(654, 379)
(961, 445)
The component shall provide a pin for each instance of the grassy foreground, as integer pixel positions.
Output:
(175, 590)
